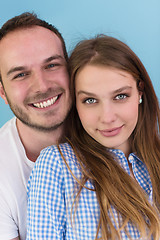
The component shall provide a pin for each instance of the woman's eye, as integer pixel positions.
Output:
(121, 97)
(90, 101)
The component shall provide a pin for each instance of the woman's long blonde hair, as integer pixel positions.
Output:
(113, 186)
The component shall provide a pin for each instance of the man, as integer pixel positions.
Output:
(34, 81)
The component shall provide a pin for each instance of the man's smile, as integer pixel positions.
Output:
(46, 103)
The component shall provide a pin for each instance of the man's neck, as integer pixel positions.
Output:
(34, 141)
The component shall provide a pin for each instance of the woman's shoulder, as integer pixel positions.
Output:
(55, 155)
(56, 150)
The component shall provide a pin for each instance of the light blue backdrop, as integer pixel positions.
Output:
(136, 22)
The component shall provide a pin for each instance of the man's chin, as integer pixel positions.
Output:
(42, 128)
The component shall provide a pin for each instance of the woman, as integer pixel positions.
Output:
(104, 182)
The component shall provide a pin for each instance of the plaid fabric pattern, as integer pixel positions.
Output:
(51, 194)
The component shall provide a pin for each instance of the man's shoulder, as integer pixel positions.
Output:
(8, 128)
(13, 160)
(10, 143)
(9, 137)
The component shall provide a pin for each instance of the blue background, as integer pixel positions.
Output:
(136, 22)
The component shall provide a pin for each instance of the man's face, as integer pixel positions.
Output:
(35, 78)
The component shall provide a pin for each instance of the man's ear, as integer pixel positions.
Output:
(2, 93)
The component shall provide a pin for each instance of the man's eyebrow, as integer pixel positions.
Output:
(22, 68)
(15, 69)
(54, 57)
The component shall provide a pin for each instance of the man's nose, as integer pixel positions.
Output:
(39, 82)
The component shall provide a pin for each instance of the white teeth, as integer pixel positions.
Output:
(45, 103)
(38, 104)
(41, 105)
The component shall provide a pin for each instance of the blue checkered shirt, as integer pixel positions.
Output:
(51, 189)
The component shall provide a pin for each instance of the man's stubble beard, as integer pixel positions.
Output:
(25, 119)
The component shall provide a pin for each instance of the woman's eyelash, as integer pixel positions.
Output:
(89, 100)
(121, 96)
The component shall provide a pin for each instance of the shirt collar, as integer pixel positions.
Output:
(120, 154)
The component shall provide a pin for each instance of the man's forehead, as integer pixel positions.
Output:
(31, 30)
(29, 37)
(29, 47)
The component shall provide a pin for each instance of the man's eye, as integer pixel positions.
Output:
(121, 96)
(52, 65)
(20, 75)
(90, 100)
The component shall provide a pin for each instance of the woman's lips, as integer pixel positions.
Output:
(111, 132)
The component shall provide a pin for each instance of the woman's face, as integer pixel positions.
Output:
(107, 101)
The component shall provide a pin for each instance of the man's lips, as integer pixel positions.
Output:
(111, 132)
(46, 103)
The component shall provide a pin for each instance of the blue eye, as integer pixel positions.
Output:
(121, 96)
(20, 75)
(90, 101)
(50, 65)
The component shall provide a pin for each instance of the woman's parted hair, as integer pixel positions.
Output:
(110, 52)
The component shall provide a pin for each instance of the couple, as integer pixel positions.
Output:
(103, 179)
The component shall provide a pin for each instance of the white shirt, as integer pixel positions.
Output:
(15, 169)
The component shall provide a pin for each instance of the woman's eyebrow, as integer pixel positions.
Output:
(121, 89)
(86, 93)
(114, 92)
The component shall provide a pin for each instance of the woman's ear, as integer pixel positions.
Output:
(140, 85)
(140, 97)
(2, 93)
